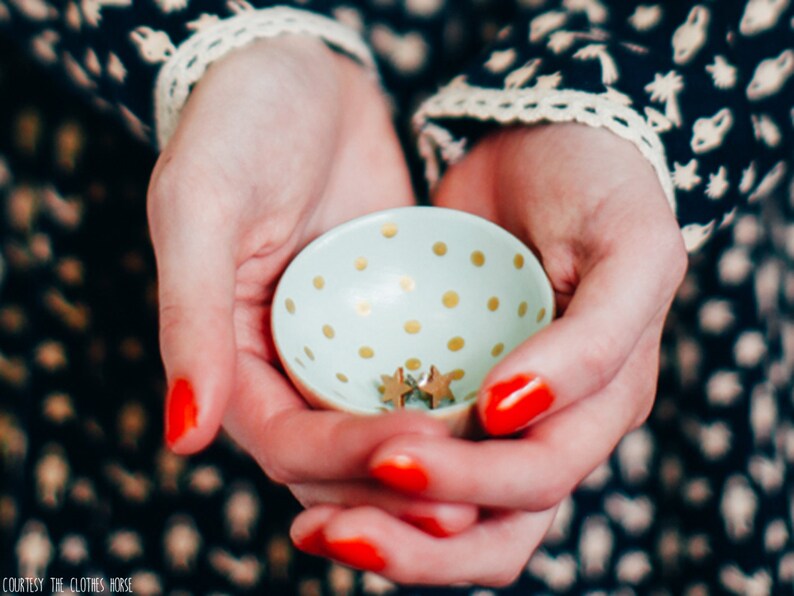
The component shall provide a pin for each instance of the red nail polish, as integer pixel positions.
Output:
(357, 553)
(429, 525)
(511, 405)
(313, 543)
(181, 411)
(401, 472)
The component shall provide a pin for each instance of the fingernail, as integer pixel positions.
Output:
(313, 543)
(401, 472)
(429, 525)
(181, 411)
(357, 553)
(511, 405)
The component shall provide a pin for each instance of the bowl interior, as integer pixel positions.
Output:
(408, 288)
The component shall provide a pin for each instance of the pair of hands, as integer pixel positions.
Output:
(284, 140)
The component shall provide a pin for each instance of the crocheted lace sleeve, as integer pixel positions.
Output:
(191, 59)
(674, 79)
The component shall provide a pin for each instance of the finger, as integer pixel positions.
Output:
(493, 552)
(294, 444)
(581, 352)
(534, 472)
(196, 277)
(434, 518)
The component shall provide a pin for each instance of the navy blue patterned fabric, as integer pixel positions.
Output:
(698, 501)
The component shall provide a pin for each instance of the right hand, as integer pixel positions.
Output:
(279, 142)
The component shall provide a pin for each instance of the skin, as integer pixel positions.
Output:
(592, 209)
(229, 206)
(230, 203)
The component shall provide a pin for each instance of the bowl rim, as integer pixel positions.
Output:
(302, 385)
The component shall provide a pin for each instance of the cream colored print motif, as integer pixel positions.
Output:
(595, 11)
(153, 46)
(665, 89)
(92, 9)
(770, 76)
(722, 72)
(761, 15)
(52, 475)
(182, 543)
(690, 37)
(709, 133)
(736, 582)
(766, 131)
(646, 17)
(738, 506)
(34, 549)
(424, 8)
(500, 61)
(718, 184)
(35, 10)
(561, 41)
(595, 546)
(598, 51)
(544, 24)
(406, 52)
(685, 176)
(44, 46)
(169, 6)
(521, 76)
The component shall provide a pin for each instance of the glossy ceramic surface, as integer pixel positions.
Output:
(412, 288)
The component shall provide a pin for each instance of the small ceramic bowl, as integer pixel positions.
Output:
(398, 295)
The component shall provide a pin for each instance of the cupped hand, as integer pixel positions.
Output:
(279, 142)
(592, 209)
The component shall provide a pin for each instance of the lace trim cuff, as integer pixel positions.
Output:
(529, 106)
(192, 58)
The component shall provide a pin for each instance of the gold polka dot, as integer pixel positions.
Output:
(455, 344)
(493, 303)
(518, 261)
(497, 349)
(389, 230)
(309, 353)
(522, 309)
(407, 283)
(363, 308)
(478, 258)
(541, 314)
(328, 331)
(412, 327)
(450, 299)
(290, 306)
(440, 249)
(458, 374)
(342, 377)
(319, 282)
(361, 263)
(366, 352)
(413, 364)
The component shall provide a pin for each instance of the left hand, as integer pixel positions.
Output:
(592, 209)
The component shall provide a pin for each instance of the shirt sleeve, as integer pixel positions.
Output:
(141, 58)
(703, 92)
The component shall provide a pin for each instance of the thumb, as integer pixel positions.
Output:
(196, 281)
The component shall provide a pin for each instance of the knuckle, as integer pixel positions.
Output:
(501, 578)
(270, 456)
(600, 356)
(170, 320)
(551, 494)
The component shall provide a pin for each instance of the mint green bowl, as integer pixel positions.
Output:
(406, 288)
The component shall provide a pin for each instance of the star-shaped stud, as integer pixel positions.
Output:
(437, 387)
(395, 389)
